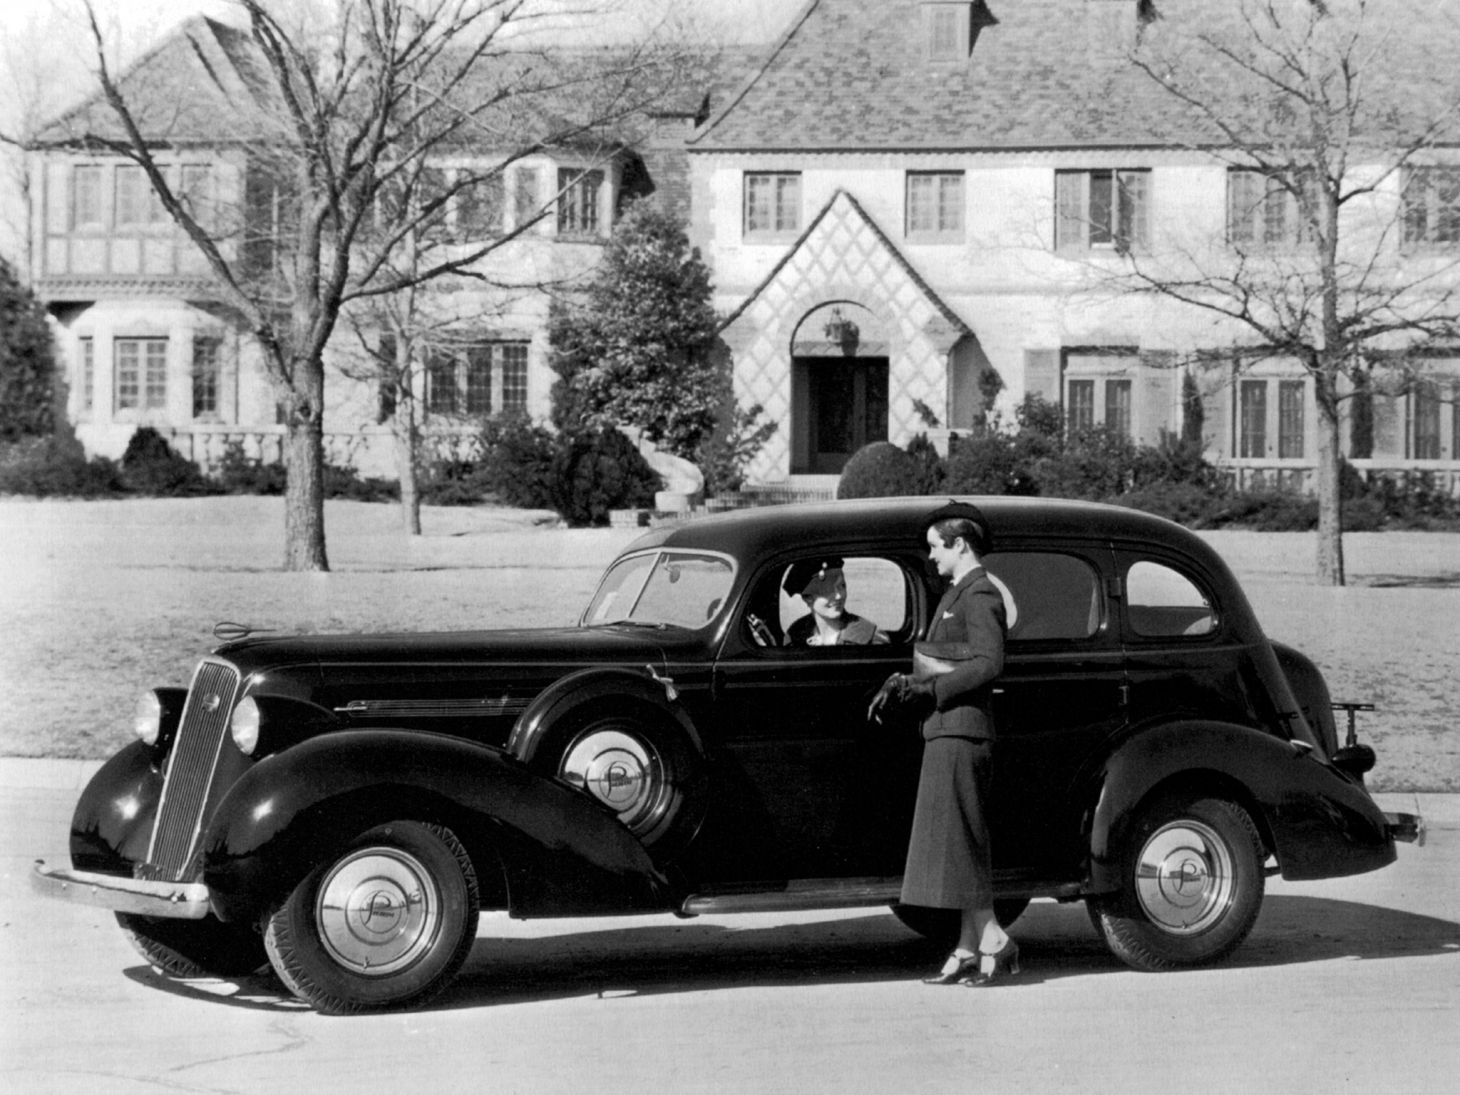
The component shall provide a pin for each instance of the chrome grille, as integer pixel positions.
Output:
(190, 769)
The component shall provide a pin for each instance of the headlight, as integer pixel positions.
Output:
(244, 726)
(147, 717)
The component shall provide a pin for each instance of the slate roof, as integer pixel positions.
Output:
(1043, 74)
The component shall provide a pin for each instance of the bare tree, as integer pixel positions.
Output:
(1331, 117)
(332, 111)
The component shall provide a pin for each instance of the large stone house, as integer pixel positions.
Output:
(912, 203)
(910, 208)
(140, 319)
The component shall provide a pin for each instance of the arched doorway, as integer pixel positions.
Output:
(839, 371)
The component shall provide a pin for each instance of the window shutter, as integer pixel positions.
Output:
(1069, 203)
(1388, 425)
(1042, 374)
(1133, 217)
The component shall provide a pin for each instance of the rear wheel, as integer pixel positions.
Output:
(941, 925)
(384, 924)
(195, 948)
(1191, 886)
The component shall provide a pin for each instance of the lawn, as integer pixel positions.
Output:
(103, 598)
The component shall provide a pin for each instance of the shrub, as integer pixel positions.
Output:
(725, 453)
(454, 482)
(27, 362)
(1185, 503)
(151, 466)
(1095, 463)
(239, 473)
(48, 467)
(983, 465)
(599, 471)
(878, 470)
(343, 481)
(929, 465)
(517, 462)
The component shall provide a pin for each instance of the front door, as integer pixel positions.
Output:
(846, 408)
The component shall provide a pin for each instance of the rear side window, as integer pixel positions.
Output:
(1047, 595)
(876, 591)
(1163, 603)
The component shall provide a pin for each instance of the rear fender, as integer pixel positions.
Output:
(1316, 821)
(561, 852)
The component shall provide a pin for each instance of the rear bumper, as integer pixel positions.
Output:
(1406, 828)
(172, 900)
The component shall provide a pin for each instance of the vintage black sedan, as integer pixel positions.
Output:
(342, 806)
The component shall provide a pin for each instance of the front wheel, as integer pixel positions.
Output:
(1191, 886)
(384, 924)
(195, 948)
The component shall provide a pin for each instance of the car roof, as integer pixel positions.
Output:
(751, 533)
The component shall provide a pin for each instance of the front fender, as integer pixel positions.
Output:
(1321, 824)
(584, 691)
(111, 826)
(562, 852)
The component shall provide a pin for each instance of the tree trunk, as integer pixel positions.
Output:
(407, 456)
(1330, 497)
(304, 490)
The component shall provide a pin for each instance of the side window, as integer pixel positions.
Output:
(866, 596)
(1162, 603)
(1047, 595)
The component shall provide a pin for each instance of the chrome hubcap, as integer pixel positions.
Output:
(618, 770)
(378, 911)
(1185, 877)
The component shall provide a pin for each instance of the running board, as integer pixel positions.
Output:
(844, 893)
(803, 893)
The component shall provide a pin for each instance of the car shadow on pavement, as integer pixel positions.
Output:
(1056, 941)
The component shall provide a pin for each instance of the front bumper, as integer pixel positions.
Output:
(1408, 828)
(172, 900)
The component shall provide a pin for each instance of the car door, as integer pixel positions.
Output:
(807, 786)
(1060, 698)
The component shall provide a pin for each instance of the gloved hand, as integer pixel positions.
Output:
(888, 698)
(919, 697)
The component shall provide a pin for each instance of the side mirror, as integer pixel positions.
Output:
(1354, 759)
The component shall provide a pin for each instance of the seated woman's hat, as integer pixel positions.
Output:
(964, 511)
(805, 571)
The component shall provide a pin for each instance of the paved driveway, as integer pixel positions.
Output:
(1348, 985)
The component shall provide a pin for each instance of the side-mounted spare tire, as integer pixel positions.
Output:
(1191, 885)
(384, 923)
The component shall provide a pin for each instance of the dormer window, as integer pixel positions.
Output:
(950, 28)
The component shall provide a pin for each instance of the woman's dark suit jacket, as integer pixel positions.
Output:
(967, 638)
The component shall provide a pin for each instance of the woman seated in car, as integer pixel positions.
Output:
(823, 586)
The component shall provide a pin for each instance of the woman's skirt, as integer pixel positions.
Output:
(948, 861)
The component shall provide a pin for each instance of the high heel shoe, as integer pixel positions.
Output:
(964, 966)
(1006, 965)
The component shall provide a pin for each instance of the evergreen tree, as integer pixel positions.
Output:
(634, 350)
(27, 362)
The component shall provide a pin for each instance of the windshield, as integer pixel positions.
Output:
(682, 589)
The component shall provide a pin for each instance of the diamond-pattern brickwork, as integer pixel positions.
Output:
(844, 256)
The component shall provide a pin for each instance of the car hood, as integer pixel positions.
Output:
(525, 646)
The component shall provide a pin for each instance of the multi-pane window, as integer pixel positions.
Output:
(137, 204)
(935, 203)
(141, 374)
(87, 347)
(578, 193)
(1252, 418)
(86, 196)
(1431, 205)
(1290, 419)
(479, 208)
(1117, 406)
(947, 29)
(476, 379)
(772, 202)
(1102, 209)
(513, 359)
(205, 377)
(1262, 210)
(1080, 404)
(1424, 431)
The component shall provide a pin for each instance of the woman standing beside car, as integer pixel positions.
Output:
(948, 860)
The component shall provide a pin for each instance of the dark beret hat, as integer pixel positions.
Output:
(804, 571)
(964, 511)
